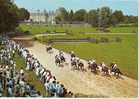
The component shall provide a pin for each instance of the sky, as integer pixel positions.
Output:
(129, 7)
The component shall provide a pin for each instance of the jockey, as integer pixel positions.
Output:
(103, 64)
(61, 53)
(89, 62)
(57, 57)
(94, 61)
(77, 59)
(115, 66)
(72, 54)
(49, 46)
(73, 59)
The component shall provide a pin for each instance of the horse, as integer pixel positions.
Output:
(74, 63)
(80, 66)
(105, 70)
(49, 49)
(57, 60)
(93, 67)
(73, 55)
(116, 72)
(62, 59)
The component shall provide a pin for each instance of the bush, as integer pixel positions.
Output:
(47, 31)
(118, 39)
(49, 41)
(35, 38)
(19, 30)
(66, 31)
(54, 31)
(89, 38)
(27, 32)
(104, 40)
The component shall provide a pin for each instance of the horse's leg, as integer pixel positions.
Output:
(117, 76)
(82, 68)
(76, 67)
(95, 72)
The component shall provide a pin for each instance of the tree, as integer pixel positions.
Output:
(117, 17)
(70, 17)
(114, 20)
(93, 17)
(80, 15)
(104, 17)
(10, 16)
(131, 20)
(62, 15)
(24, 14)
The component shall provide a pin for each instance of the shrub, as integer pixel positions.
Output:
(35, 38)
(49, 41)
(104, 40)
(47, 31)
(27, 32)
(118, 39)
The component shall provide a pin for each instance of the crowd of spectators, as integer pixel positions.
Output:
(14, 82)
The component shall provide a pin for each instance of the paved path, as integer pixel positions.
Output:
(84, 82)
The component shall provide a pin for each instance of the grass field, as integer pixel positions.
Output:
(36, 29)
(124, 53)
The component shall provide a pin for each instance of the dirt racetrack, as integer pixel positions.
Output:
(85, 83)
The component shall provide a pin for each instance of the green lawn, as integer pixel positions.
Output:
(36, 29)
(124, 53)
(30, 75)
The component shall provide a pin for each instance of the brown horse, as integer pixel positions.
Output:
(80, 66)
(93, 67)
(74, 64)
(105, 70)
(115, 70)
(49, 49)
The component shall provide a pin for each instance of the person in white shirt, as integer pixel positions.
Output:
(115, 66)
(103, 64)
(94, 61)
(46, 85)
(21, 71)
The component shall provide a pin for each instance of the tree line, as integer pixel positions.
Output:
(11, 15)
(100, 17)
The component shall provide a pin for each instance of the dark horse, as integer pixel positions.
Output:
(72, 55)
(105, 70)
(57, 60)
(93, 67)
(74, 64)
(49, 49)
(62, 59)
(115, 70)
(80, 66)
